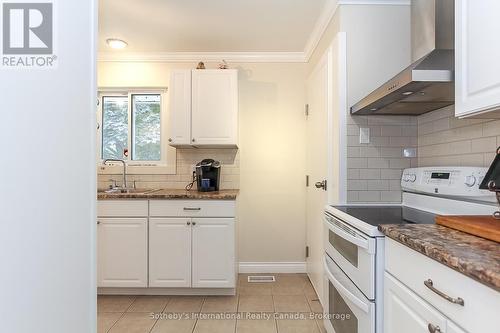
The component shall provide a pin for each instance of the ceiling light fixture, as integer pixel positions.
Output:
(407, 93)
(116, 43)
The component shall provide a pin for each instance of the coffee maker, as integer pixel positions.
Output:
(208, 175)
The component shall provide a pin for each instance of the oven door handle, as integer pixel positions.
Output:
(344, 291)
(360, 242)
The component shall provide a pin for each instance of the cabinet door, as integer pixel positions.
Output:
(453, 328)
(477, 51)
(404, 311)
(122, 258)
(180, 108)
(213, 253)
(215, 107)
(170, 252)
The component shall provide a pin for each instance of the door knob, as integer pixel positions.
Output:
(433, 329)
(321, 185)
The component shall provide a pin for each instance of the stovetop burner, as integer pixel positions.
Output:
(376, 215)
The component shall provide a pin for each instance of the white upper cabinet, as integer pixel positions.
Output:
(204, 108)
(215, 107)
(180, 108)
(477, 53)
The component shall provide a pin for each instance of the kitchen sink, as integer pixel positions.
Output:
(129, 191)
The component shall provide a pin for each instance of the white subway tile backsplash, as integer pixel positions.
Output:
(444, 140)
(357, 163)
(353, 173)
(369, 174)
(391, 174)
(391, 152)
(391, 130)
(391, 196)
(484, 145)
(377, 185)
(369, 151)
(186, 159)
(369, 196)
(357, 185)
(380, 163)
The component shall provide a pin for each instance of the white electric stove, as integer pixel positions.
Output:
(354, 247)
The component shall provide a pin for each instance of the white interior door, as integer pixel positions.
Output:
(326, 96)
(317, 167)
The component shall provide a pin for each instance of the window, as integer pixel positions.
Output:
(132, 128)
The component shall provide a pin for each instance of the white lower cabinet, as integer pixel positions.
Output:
(422, 295)
(170, 252)
(122, 255)
(176, 244)
(405, 312)
(213, 253)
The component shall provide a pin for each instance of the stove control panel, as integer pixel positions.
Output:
(446, 181)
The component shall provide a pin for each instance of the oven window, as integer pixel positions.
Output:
(347, 249)
(342, 318)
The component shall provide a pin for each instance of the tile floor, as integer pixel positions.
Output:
(290, 295)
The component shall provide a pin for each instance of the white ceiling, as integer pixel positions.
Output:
(165, 26)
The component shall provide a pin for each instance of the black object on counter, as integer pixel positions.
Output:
(208, 175)
(491, 180)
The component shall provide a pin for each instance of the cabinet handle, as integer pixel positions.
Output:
(434, 329)
(98, 222)
(194, 223)
(189, 223)
(194, 140)
(429, 284)
(170, 140)
(192, 209)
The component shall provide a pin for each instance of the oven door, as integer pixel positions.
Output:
(353, 251)
(348, 310)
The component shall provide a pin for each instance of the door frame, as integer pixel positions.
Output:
(335, 59)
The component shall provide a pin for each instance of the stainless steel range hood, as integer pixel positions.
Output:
(428, 83)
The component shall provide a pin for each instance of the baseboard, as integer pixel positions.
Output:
(272, 267)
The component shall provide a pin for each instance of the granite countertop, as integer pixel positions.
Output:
(473, 256)
(171, 194)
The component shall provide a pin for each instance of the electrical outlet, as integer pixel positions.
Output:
(410, 152)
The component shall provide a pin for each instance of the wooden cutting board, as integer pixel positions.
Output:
(479, 225)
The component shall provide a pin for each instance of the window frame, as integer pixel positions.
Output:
(167, 164)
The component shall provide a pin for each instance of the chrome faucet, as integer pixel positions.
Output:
(124, 181)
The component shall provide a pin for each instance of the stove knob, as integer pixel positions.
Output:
(412, 178)
(470, 181)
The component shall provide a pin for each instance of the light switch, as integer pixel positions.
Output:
(364, 135)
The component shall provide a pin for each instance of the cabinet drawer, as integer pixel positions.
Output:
(122, 208)
(192, 208)
(481, 303)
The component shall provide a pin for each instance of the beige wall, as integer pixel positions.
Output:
(269, 166)
(444, 140)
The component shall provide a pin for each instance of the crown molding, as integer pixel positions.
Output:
(320, 27)
(208, 57)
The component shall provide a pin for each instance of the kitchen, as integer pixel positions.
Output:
(277, 170)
